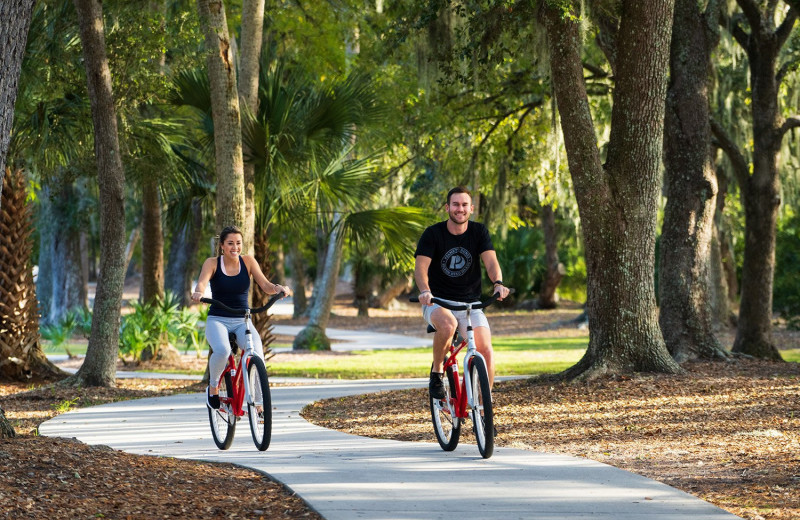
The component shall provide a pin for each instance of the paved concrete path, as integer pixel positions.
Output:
(347, 477)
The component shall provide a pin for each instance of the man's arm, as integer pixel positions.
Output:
(421, 265)
(495, 273)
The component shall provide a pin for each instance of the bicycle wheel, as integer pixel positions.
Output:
(223, 421)
(446, 424)
(260, 421)
(482, 414)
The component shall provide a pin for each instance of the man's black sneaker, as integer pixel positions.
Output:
(436, 386)
(212, 401)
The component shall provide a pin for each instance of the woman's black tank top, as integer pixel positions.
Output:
(230, 290)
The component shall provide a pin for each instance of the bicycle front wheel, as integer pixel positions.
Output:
(260, 410)
(223, 420)
(482, 413)
(446, 423)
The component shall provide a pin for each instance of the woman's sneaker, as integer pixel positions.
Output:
(212, 401)
(436, 386)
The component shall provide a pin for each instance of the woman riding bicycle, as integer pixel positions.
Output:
(229, 275)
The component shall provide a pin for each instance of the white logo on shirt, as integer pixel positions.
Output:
(456, 262)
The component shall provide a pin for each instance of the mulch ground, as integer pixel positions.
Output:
(726, 432)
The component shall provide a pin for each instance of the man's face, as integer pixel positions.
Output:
(460, 207)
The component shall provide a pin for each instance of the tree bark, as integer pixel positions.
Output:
(152, 243)
(68, 288)
(99, 367)
(15, 19)
(21, 355)
(183, 249)
(312, 336)
(225, 112)
(299, 300)
(719, 284)
(760, 190)
(262, 321)
(691, 189)
(548, 297)
(6, 430)
(252, 35)
(617, 203)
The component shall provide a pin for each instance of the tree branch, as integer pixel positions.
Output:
(785, 69)
(791, 122)
(785, 29)
(753, 14)
(730, 148)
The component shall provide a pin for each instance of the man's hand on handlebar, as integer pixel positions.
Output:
(425, 298)
(502, 290)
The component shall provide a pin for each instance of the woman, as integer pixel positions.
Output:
(229, 275)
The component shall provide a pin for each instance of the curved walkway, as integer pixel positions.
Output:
(345, 476)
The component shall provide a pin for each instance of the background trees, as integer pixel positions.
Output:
(458, 93)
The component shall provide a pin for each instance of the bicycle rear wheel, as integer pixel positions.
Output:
(446, 424)
(482, 413)
(260, 421)
(223, 421)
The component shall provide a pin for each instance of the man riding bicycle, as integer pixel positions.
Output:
(447, 267)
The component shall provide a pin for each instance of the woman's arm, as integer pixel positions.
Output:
(259, 278)
(206, 272)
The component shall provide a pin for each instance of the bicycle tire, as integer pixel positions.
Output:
(446, 424)
(260, 423)
(223, 420)
(482, 413)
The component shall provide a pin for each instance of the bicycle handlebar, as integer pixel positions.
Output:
(447, 305)
(242, 312)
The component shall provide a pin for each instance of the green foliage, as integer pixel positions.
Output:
(152, 326)
(59, 333)
(517, 256)
(786, 288)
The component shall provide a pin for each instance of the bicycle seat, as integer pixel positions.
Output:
(431, 329)
(234, 343)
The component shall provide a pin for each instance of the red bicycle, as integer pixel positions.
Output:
(238, 386)
(472, 392)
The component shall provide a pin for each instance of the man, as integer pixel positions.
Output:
(447, 267)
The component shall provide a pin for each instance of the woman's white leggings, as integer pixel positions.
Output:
(217, 329)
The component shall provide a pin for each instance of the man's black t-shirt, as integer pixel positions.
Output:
(455, 270)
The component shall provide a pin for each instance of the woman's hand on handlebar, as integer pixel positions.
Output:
(196, 296)
(282, 289)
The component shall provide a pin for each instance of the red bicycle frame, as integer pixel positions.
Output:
(459, 397)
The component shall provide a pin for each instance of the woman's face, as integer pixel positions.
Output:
(232, 245)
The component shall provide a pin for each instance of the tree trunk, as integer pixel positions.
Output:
(761, 190)
(548, 297)
(183, 249)
(225, 112)
(691, 189)
(618, 203)
(68, 287)
(252, 35)
(313, 337)
(300, 281)
(6, 430)
(99, 367)
(152, 243)
(382, 300)
(15, 19)
(21, 356)
(261, 321)
(719, 284)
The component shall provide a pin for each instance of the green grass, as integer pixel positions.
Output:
(792, 355)
(513, 356)
(77, 349)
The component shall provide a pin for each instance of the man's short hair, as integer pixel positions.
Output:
(457, 189)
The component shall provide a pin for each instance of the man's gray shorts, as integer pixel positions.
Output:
(476, 315)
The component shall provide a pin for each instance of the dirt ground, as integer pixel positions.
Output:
(726, 432)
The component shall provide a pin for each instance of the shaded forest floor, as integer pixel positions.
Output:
(726, 432)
